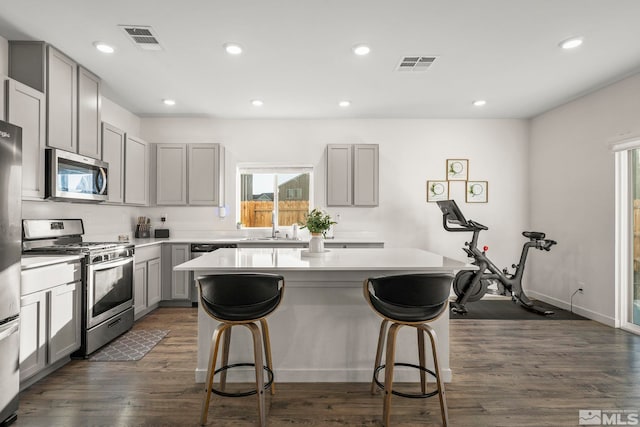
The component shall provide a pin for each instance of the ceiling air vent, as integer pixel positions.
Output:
(416, 63)
(143, 37)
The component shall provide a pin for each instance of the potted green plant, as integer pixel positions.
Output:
(318, 223)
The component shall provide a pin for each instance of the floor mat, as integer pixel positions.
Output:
(131, 346)
(505, 309)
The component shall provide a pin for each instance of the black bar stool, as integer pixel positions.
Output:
(240, 299)
(408, 300)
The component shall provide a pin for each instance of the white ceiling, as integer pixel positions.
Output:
(297, 54)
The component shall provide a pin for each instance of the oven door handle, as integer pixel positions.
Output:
(110, 264)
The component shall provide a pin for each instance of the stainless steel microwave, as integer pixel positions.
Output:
(75, 178)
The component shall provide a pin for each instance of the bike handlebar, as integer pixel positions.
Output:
(477, 225)
(468, 226)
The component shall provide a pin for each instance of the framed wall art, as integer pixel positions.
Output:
(437, 190)
(457, 169)
(477, 192)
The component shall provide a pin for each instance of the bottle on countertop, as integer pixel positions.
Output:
(294, 231)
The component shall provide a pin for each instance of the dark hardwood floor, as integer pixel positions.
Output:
(506, 373)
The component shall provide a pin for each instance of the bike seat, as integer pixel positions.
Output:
(533, 235)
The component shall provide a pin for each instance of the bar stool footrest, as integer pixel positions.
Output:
(409, 395)
(244, 393)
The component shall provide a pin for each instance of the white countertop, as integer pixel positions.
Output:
(139, 243)
(34, 261)
(281, 259)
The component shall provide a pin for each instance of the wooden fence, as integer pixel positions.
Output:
(257, 213)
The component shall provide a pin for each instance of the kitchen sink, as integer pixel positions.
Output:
(260, 238)
(269, 239)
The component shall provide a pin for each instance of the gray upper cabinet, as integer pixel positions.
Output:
(136, 171)
(113, 153)
(352, 175)
(62, 83)
(28, 63)
(72, 94)
(206, 174)
(89, 114)
(365, 175)
(171, 174)
(26, 108)
(190, 174)
(339, 175)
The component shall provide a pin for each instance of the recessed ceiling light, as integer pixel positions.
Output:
(170, 102)
(479, 103)
(361, 49)
(233, 48)
(257, 103)
(344, 104)
(571, 43)
(103, 47)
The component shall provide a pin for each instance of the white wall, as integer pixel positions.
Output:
(572, 195)
(117, 116)
(411, 152)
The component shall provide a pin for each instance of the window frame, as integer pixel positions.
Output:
(276, 169)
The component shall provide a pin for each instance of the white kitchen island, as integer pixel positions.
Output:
(323, 331)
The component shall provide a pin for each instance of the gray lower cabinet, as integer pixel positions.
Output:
(180, 289)
(146, 280)
(33, 334)
(26, 108)
(352, 174)
(50, 319)
(113, 141)
(64, 320)
(136, 171)
(175, 284)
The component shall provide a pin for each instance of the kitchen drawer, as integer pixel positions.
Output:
(148, 252)
(39, 279)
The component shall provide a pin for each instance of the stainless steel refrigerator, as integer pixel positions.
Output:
(10, 251)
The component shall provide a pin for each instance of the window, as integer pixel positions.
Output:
(279, 192)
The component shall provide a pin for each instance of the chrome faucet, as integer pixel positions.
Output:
(274, 232)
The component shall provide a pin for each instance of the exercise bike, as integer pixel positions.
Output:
(470, 286)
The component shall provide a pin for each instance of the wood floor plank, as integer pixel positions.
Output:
(505, 373)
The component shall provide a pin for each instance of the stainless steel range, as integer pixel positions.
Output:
(107, 302)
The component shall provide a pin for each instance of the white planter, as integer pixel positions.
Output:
(316, 243)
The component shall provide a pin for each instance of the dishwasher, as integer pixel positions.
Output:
(197, 250)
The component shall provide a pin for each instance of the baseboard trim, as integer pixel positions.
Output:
(589, 314)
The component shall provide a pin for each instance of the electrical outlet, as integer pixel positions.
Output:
(580, 287)
(163, 217)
